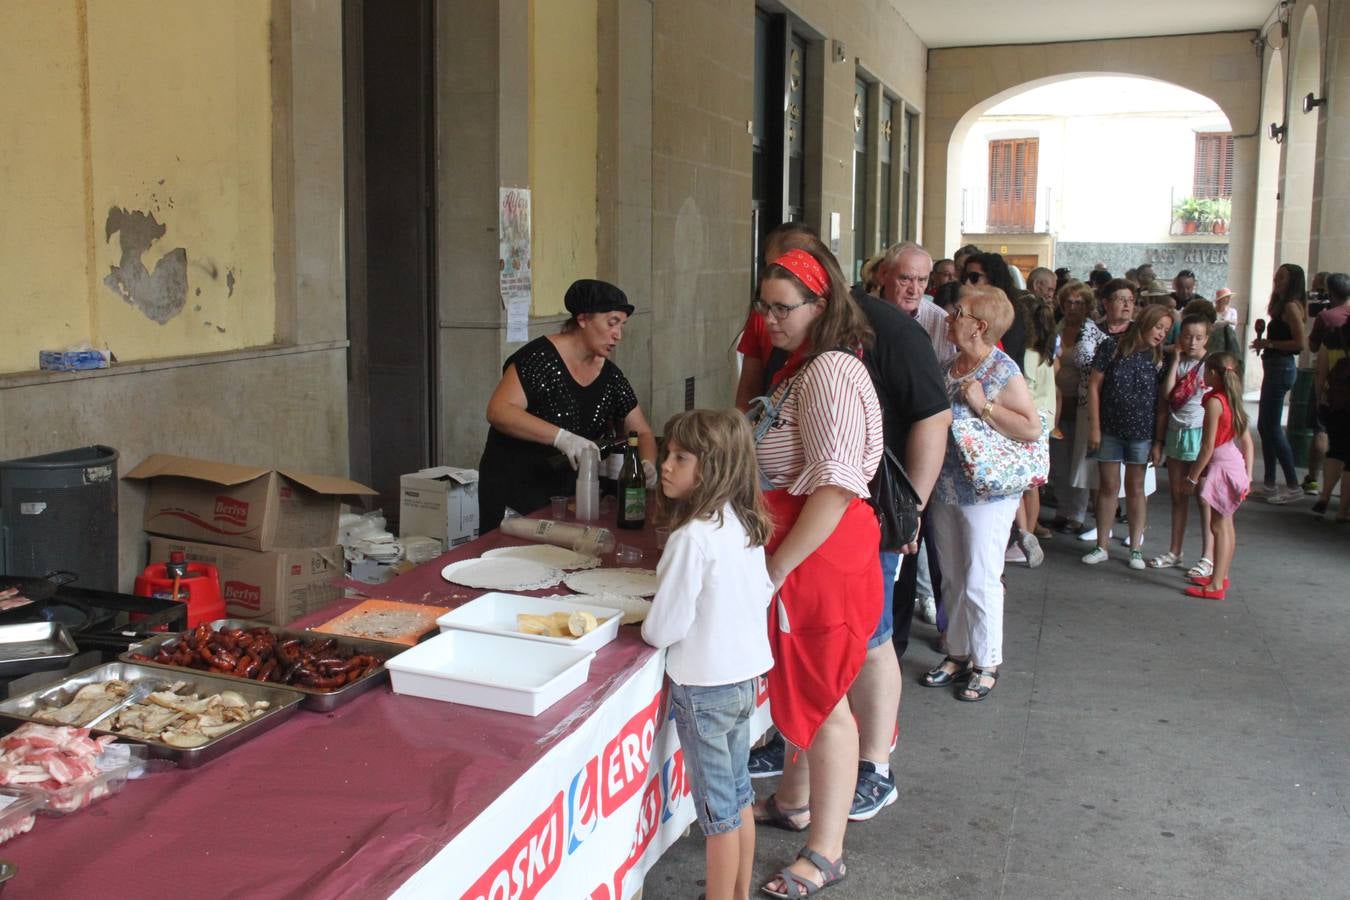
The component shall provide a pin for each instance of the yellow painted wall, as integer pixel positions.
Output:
(157, 107)
(44, 283)
(563, 121)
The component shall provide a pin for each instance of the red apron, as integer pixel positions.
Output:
(822, 618)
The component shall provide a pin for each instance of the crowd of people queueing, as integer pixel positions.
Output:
(774, 567)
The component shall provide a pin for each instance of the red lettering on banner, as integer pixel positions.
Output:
(528, 863)
(649, 822)
(627, 757)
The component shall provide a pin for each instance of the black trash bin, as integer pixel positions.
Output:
(59, 512)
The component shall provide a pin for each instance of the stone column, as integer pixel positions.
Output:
(1331, 237)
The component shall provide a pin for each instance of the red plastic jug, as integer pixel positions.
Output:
(196, 584)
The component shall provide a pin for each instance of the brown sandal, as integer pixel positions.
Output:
(795, 886)
(782, 817)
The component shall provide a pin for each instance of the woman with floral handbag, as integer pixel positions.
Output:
(997, 450)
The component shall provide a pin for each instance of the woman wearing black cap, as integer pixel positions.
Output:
(558, 393)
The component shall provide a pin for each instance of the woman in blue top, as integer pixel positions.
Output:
(972, 529)
(1122, 406)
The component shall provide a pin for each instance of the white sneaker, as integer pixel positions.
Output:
(1090, 536)
(1097, 555)
(928, 610)
(1031, 549)
(1014, 554)
(1125, 542)
(1136, 559)
(1285, 495)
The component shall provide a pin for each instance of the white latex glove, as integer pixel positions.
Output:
(649, 469)
(573, 445)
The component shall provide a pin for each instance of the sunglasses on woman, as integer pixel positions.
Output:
(973, 277)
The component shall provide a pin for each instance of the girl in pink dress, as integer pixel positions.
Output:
(1222, 473)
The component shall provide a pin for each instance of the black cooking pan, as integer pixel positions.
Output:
(41, 592)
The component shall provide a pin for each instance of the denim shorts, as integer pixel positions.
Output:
(714, 728)
(1114, 449)
(890, 564)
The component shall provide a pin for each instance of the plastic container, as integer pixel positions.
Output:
(490, 671)
(18, 813)
(72, 798)
(588, 487)
(194, 583)
(495, 613)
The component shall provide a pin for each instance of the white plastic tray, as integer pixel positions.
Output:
(495, 613)
(490, 671)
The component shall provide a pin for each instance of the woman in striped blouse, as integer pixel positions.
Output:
(819, 444)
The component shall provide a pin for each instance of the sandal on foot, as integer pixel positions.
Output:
(940, 677)
(1167, 561)
(1209, 582)
(795, 886)
(1205, 593)
(782, 817)
(974, 692)
(1202, 569)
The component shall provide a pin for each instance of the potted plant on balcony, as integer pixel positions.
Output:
(1188, 212)
(1218, 211)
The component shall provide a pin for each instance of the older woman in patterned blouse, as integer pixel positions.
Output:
(983, 382)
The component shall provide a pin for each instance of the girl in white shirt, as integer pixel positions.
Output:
(711, 611)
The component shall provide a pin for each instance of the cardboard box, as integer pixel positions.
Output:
(440, 503)
(273, 586)
(242, 506)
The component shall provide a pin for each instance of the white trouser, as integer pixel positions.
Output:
(970, 545)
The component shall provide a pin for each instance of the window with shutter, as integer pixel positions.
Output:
(1012, 185)
(1213, 177)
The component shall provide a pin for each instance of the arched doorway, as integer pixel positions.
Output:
(1300, 145)
(1097, 168)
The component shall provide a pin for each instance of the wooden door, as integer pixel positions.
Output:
(1012, 185)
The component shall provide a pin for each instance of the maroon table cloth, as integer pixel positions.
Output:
(343, 804)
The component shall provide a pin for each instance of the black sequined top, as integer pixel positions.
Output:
(515, 472)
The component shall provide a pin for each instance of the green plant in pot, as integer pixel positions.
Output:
(1218, 211)
(1188, 212)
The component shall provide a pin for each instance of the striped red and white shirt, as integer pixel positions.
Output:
(829, 430)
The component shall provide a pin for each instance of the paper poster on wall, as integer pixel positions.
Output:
(518, 319)
(514, 260)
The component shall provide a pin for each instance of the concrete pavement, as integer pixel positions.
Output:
(1139, 742)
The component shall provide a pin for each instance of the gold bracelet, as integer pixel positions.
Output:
(988, 407)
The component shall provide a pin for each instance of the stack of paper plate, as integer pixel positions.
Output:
(547, 555)
(502, 574)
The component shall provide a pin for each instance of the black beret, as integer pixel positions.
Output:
(587, 295)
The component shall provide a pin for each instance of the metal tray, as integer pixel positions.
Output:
(34, 647)
(320, 701)
(284, 703)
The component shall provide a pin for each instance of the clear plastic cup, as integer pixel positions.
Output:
(627, 555)
(558, 507)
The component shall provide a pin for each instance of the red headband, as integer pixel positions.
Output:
(808, 271)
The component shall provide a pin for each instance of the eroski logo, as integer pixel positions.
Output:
(628, 756)
(583, 805)
(533, 858)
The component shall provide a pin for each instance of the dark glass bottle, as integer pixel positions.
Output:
(632, 487)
